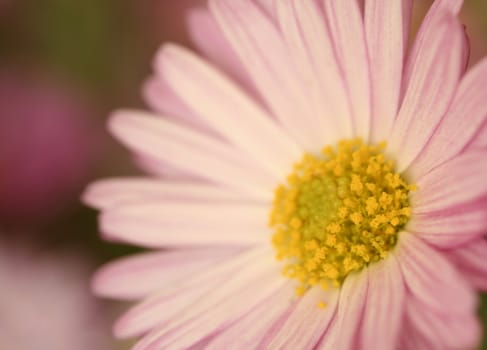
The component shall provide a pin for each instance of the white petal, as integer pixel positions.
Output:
(386, 25)
(137, 276)
(307, 322)
(347, 30)
(157, 223)
(107, 193)
(228, 110)
(190, 151)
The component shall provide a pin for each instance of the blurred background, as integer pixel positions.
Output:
(64, 66)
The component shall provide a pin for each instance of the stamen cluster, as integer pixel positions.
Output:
(338, 212)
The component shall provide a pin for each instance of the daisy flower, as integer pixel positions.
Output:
(316, 184)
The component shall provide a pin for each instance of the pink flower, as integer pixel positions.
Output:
(46, 302)
(46, 148)
(381, 241)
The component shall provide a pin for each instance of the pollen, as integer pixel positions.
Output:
(338, 212)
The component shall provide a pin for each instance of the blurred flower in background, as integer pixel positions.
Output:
(47, 147)
(46, 303)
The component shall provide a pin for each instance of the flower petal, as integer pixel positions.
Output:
(226, 109)
(262, 51)
(347, 30)
(219, 308)
(460, 125)
(137, 276)
(209, 39)
(470, 260)
(104, 194)
(251, 329)
(384, 306)
(454, 183)
(306, 323)
(342, 332)
(174, 299)
(452, 227)
(158, 222)
(444, 330)
(434, 78)
(191, 151)
(432, 279)
(162, 99)
(387, 26)
(306, 35)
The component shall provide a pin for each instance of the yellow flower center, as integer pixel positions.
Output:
(338, 212)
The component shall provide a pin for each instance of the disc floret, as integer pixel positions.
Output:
(338, 212)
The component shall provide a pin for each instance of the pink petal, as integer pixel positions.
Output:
(435, 73)
(471, 259)
(454, 183)
(104, 194)
(306, 35)
(162, 99)
(262, 51)
(173, 300)
(444, 330)
(342, 332)
(432, 279)
(307, 322)
(437, 10)
(219, 308)
(209, 39)
(190, 151)
(159, 222)
(480, 139)
(452, 227)
(346, 28)
(227, 109)
(384, 306)
(387, 26)
(137, 276)
(460, 125)
(251, 329)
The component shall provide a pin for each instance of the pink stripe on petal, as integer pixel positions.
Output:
(260, 46)
(307, 322)
(158, 223)
(435, 73)
(387, 26)
(170, 302)
(190, 151)
(137, 276)
(228, 110)
(451, 227)
(346, 27)
(454, 183)
(471, 260)
(304, 30)
(251, 329)
(343, 331)
(104, 194)
(460, 125)
(383, 315)
(432, 279)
